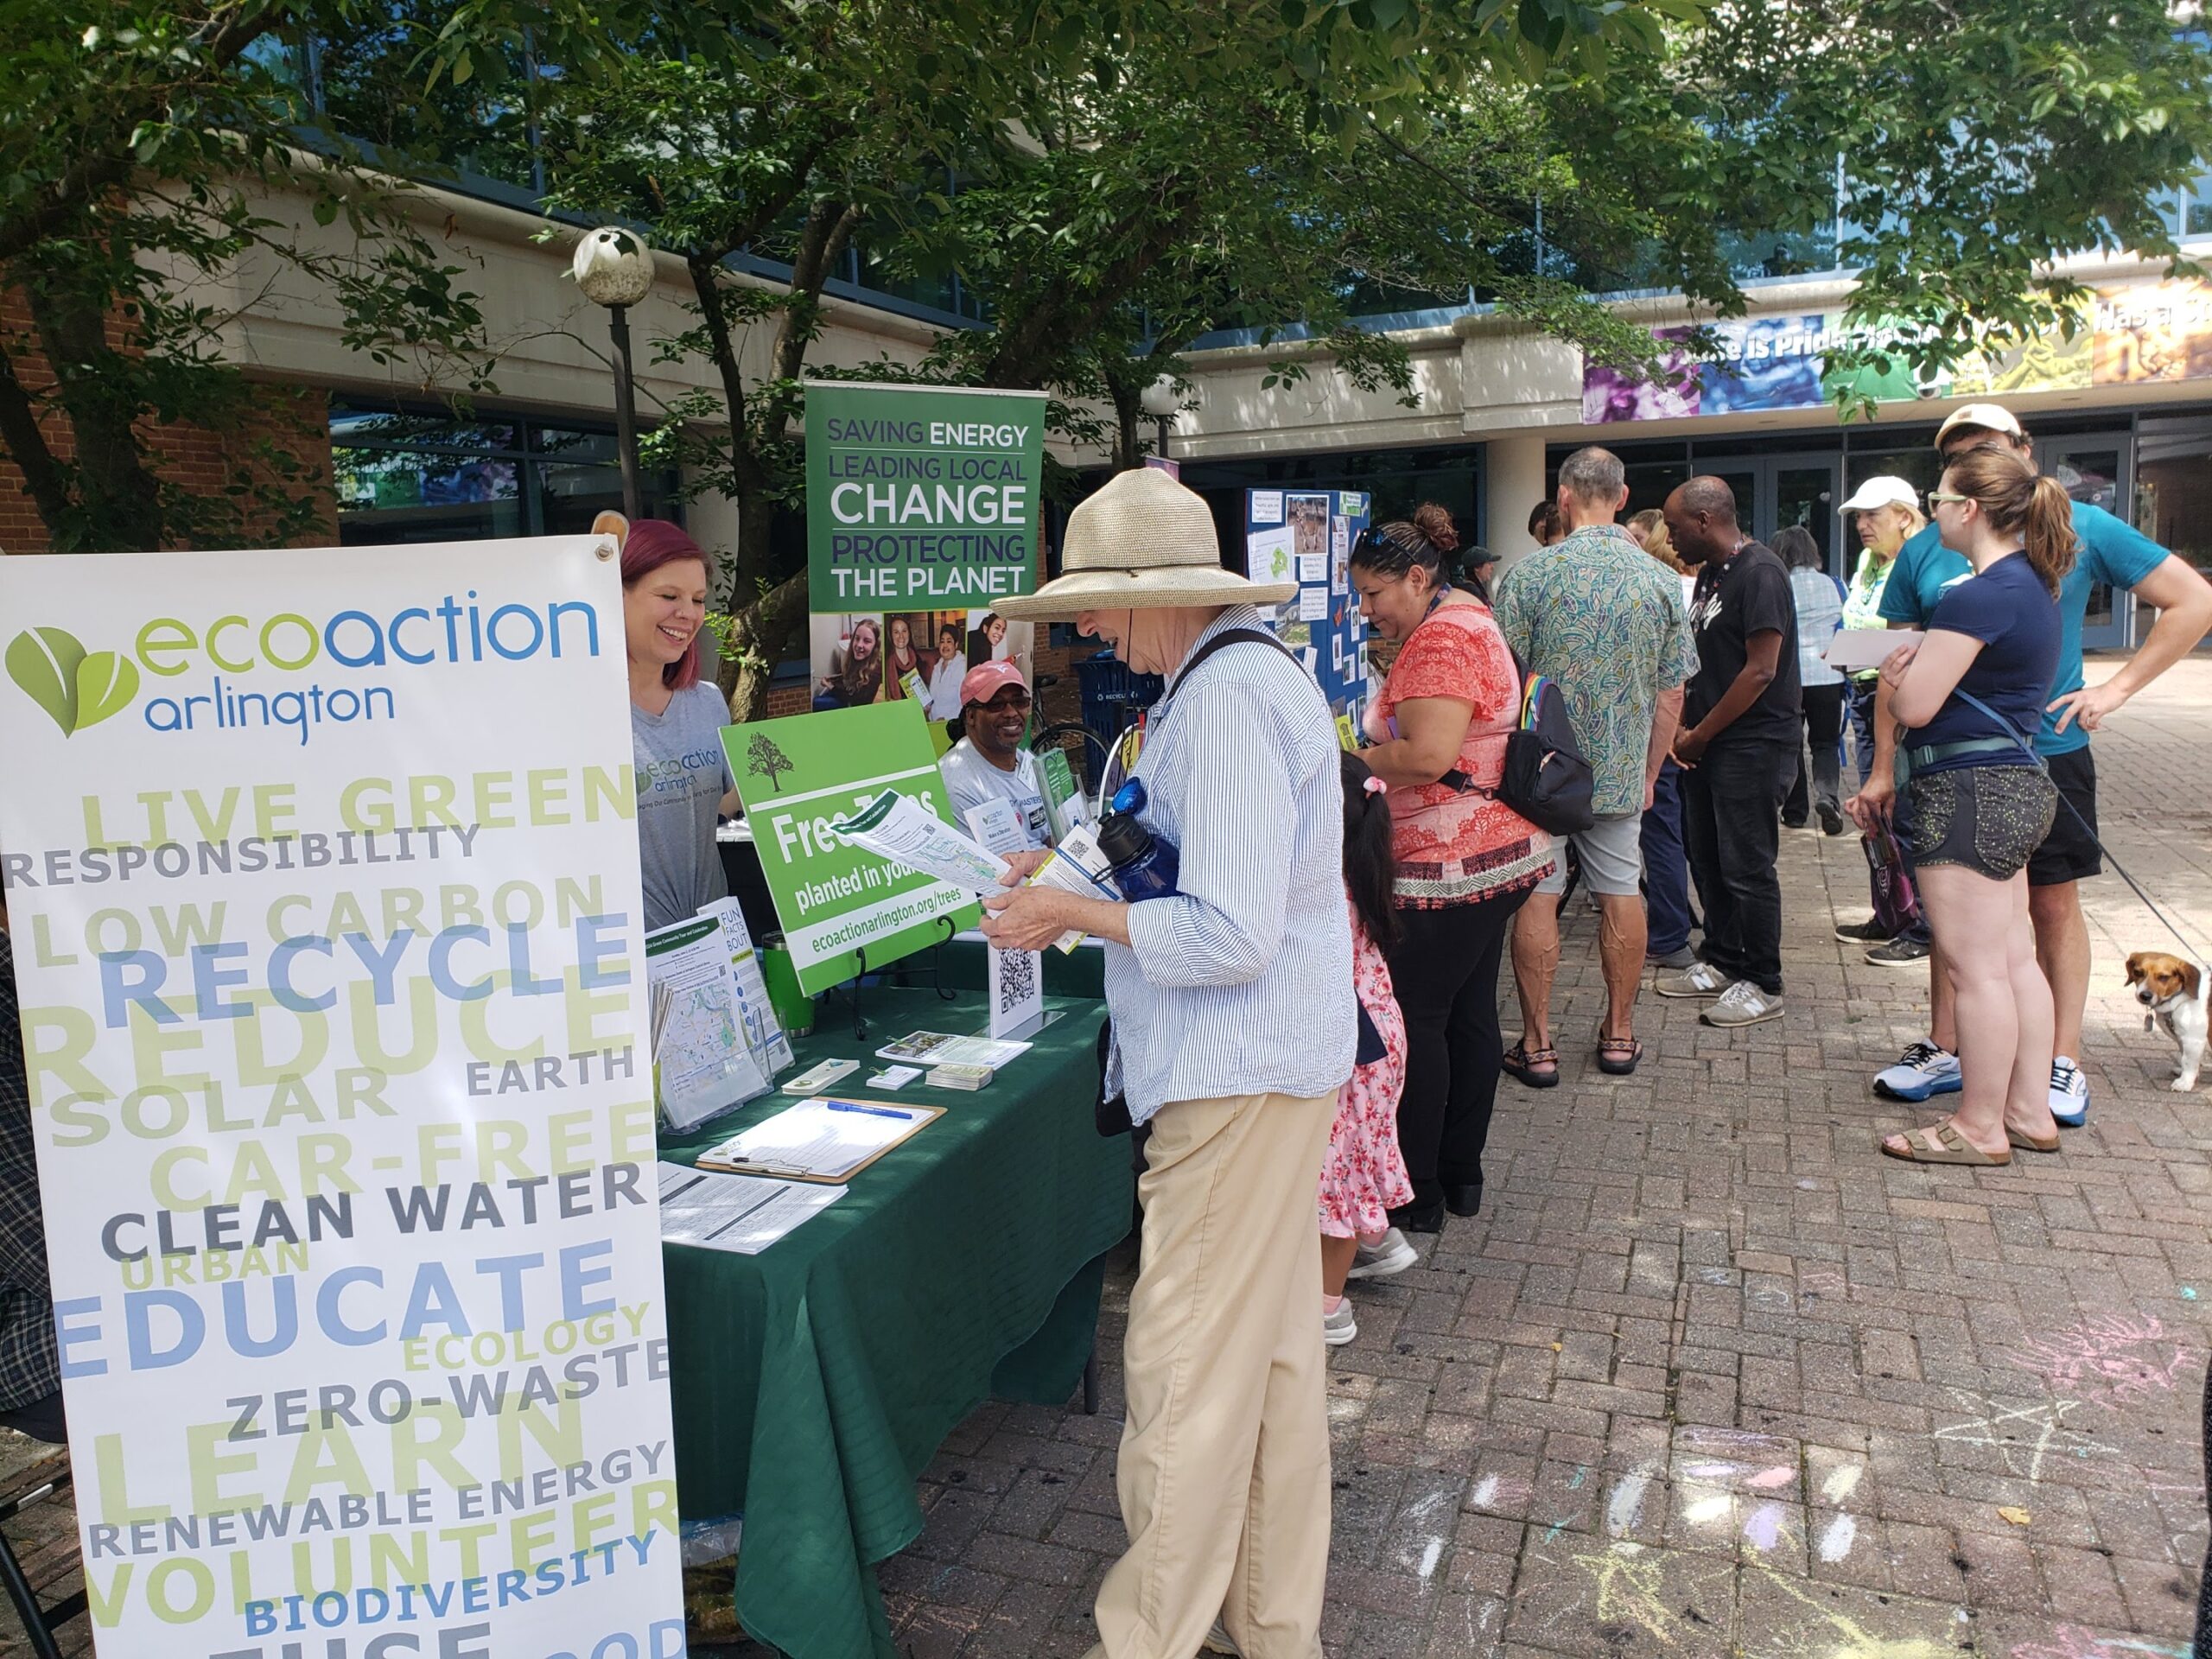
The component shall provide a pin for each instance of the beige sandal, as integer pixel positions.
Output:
(2027, 1143)
(1942, 1143)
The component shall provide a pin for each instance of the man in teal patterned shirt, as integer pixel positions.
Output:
(1607, 622)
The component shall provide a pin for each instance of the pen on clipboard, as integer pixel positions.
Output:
(872, 1111)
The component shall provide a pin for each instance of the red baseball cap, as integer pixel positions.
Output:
(986, 680)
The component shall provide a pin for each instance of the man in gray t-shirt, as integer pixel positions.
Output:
(989, 763)
(683, 775)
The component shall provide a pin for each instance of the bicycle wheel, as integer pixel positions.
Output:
(1086, 755)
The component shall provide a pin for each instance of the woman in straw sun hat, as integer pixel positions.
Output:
(1233, 1023)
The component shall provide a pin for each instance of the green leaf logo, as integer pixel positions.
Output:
(106, 682)
(44, 662)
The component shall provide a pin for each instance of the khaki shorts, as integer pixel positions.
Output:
(1611, 851)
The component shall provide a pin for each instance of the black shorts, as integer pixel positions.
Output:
(2068, 853)
(1986, 819)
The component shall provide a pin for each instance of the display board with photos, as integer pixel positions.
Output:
(1307, 536)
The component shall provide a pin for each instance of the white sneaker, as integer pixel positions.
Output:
(1217, 1640)
(1923, 1070)
(1698, 979)
(1743, 1004)
(2069, 1094)
(1339, 1328)
(1379, 1260)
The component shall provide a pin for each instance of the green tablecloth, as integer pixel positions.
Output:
(814, 1382)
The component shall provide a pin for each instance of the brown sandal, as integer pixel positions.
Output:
(1520, 1061)
(1942, 1143)
(1616, 1056)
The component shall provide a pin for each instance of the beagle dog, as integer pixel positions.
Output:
(2173, 993)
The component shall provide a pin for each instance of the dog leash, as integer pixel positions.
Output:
(2192, 953)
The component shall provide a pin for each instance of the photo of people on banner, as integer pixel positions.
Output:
(882, 657)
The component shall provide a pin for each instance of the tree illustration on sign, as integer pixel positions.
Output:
(764, 760)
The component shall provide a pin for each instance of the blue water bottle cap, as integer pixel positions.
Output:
(1130, 796)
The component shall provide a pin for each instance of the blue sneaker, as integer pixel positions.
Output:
(2069, 1094)
(1923, 1069)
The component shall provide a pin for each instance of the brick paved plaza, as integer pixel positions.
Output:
(1709, 1376)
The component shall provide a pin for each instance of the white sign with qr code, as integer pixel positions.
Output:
(1017, 992)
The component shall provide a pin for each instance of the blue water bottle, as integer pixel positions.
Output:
(1144, 865)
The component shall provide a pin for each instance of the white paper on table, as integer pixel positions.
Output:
(819, 1137)
(1863, 648)
(1268, 555)
(744, 1214)
(945, 1048)
(1313, 604)
(1313, 567)
(1266, 506)
(902, 830)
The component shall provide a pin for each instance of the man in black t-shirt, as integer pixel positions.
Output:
(1739, 745)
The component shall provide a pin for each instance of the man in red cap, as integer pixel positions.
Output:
(989, 764)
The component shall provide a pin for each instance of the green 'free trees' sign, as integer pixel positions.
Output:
(920, 498)
(797, 777)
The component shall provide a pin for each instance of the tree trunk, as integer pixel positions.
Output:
(118, 499)
(763, 633)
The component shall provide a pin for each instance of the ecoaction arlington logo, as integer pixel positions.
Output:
(246, 671)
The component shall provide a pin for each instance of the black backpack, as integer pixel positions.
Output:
(1547, 779)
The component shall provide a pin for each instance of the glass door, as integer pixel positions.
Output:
(1773, 492)
(2095, 469)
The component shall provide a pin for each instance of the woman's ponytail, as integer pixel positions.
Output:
(2050, 542)
(2020, 501)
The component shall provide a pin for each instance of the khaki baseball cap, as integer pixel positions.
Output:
(1995, 416)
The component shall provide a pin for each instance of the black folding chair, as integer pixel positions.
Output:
(40, 1621)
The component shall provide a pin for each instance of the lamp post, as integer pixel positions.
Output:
(614, 268)
(1160, 401)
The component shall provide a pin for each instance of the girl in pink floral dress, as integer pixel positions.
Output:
(1364, 1173)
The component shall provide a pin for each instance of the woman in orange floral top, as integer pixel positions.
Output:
(1466, 862)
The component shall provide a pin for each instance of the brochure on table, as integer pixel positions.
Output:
(715, 1041)
(1306, 534)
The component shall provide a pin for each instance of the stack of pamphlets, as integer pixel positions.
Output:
(961, 1076)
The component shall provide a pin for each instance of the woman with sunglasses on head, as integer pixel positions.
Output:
(1968, 701)
(1465, 860)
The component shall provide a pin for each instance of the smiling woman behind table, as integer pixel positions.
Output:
(1465, 860)
(675, 723)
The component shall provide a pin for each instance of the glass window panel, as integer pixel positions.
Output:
(387, 496)
(349, 424)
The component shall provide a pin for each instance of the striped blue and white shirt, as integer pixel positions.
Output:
(1240, 984)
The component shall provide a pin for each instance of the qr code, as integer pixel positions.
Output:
(1017, 979)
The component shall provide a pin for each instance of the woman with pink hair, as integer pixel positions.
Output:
(676, 722)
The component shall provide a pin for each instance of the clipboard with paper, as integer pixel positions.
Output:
(826, 1140)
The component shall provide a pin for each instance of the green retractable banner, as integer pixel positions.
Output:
(797, 777)
(920, 498)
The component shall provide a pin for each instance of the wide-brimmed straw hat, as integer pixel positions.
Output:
(1143, 542)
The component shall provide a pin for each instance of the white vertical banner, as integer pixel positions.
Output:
(323, 881)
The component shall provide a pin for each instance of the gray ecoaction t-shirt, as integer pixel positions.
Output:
(683, 775)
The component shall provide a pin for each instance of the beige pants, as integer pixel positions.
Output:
(1224, 1461)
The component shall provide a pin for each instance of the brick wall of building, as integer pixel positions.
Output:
(294, 420)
